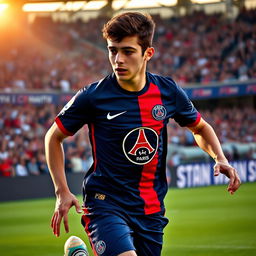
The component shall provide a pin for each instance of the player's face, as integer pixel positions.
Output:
(127, 60)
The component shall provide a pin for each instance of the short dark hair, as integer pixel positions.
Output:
(131, 24)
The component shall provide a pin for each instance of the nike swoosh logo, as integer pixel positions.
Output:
(110, 117)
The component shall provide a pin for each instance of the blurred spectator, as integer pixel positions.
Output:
(6, 168)
(76, 162)
(20, 168)
(87, 161)
(41, 161)
(33, 167)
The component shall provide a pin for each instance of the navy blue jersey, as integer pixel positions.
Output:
(129, 138)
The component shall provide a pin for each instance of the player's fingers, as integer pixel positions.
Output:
(78, 207)
(57, 224)
(54, 221)
(65, 219)
(236, 184)
(216, 169)
(238, 179)
(232, 176)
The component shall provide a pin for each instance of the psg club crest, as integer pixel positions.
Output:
(140, 145)
(100, 247)
(159, 112)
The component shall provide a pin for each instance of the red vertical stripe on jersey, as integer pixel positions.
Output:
(147, 102)
(93, 147)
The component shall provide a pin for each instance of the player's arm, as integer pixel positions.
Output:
(207, 139)
(55, 160)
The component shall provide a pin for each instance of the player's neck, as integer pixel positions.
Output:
(135, 84)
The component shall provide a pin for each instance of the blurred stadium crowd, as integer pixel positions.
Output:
(197, 48)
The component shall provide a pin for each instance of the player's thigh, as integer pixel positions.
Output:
(148, 237)
(109, 234)
(148, 247)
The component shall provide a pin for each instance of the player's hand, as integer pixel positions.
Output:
(231, 173)
(64, 202)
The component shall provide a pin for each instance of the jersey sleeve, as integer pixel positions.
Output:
(186, 114)
(75, 113)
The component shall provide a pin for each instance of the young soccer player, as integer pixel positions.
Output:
(127, 113)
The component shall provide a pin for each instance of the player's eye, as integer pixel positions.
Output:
(128, 52)
(113, 51)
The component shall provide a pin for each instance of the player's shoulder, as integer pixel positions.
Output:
(162, 81)
(94, 88)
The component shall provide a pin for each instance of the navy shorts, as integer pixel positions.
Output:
(112, 232)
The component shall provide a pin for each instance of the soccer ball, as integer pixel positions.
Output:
(74, 246)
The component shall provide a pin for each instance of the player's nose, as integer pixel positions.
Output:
(119, 58)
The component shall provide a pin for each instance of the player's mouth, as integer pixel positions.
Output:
(121, 71)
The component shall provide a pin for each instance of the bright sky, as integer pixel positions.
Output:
(3, 7)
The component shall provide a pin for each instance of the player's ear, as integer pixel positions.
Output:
(149, 53)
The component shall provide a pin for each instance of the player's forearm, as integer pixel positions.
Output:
(55, 160)
(207, 140)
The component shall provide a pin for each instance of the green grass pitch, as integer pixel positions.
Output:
(204, 221)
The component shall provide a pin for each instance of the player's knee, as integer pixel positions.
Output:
(128, 253)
